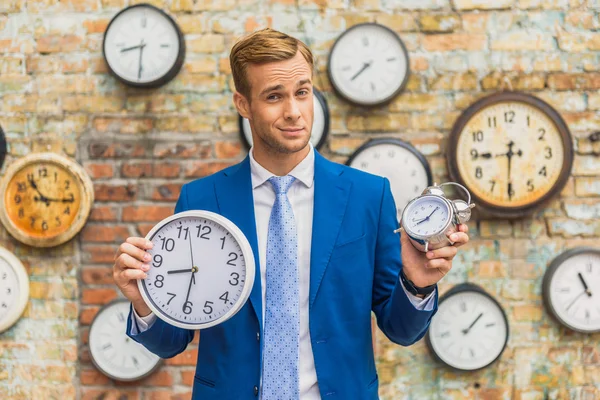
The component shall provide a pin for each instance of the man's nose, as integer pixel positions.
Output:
(292, 110)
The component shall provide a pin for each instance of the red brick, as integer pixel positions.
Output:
(97, 275)
(95, 26)
(109, 394)
(187, 377)
(84, 336)
(166, 170)
(185, 150)
(159, 378)
(200, 169)
(56, 43)
(105, 233)
(146, 213)
(116, 150)
(562, 81)
(143, 229)
(93, 377)
(136, 170)
(167, 395)
(103, 213)
(87, 315)
(108, 192)
(228, 149)
(99, 254)
(99, 171)
(188, 357)
(168, 191)
(98, 296)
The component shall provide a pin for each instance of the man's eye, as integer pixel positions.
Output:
(272, 97)
(303, 92)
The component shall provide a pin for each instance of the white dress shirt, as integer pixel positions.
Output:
(301, 197)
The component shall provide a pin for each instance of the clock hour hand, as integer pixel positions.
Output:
(179, 271)
(42, 198)
(585, 286)
(137, 46)
(429, 216)
(360, 71)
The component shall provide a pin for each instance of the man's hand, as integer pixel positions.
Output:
(425, 269)
(131, 264)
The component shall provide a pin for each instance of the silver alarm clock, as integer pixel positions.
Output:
(431, 217)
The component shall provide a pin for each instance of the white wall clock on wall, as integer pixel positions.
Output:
(14, 289)
(143, 46)
(113, 352)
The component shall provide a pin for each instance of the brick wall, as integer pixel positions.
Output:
(141, 146)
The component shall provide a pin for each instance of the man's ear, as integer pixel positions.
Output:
(241, 104)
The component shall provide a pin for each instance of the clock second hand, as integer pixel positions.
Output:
(194, 270)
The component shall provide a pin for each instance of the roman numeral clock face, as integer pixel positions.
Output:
(512, 154)
(470, 329)
(143, 46)
(201, 272)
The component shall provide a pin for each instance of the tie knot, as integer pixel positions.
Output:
(281, 184)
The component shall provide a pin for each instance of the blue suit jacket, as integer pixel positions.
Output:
(354, 266)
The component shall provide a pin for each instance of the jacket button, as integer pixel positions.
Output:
(256, 390)
(258, 336)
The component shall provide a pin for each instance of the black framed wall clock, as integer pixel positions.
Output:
(469, 331)
(368, 65)
(3, 147)
(143, 46)
(571, 289)
(320, 127)
(114, 353)
(512, 151)
(406, 168)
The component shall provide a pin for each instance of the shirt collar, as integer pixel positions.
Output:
(304, 171)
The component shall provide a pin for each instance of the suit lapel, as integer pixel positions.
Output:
(234, 196)
(331, 197)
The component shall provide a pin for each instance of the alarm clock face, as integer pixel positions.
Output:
(469, 330)
(14, 289)
(407, 170)
(112, 351)
(143, 46)
(320, 127)
(368, 64)
(427, 216)
(571, 289)
(202, 270)
(512, 151)
(47, 199)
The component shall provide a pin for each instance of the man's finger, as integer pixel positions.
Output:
(447, 252)
(463, 228)
(135, 252)
(142, 243)
(439, 263)
(459, 238)
(128, 262)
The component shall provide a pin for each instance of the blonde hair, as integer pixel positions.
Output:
(263, 46)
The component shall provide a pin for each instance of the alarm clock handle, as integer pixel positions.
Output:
(462, 209)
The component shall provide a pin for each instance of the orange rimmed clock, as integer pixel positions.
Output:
(45, 199)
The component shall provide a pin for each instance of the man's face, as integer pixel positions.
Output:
(280, 109)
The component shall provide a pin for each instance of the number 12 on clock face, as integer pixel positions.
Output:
(201, 272)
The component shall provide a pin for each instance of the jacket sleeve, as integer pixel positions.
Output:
(160, 338)
(397, 317)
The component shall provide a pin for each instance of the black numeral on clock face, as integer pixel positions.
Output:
(205, 229)
(168, 244)
(159, 282)
(234, 257)
(509, 117)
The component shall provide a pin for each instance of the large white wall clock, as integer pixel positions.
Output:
(320, 127)
(368, 65)
(143, 46)
(571, 289)
(470, 329)
(405, 167)
(14, 289)
(114, 353)
(202, 270)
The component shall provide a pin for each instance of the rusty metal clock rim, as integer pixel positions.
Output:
(84, 184)
(507, 97)
(555, 264)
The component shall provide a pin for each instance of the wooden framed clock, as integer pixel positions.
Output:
(3, 149)
(45, 199)
(512, 151)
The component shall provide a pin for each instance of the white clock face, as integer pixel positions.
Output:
(368, 64)
(318, 127)
(407, 174)
(14, 289)
(574, 291)
(427, 216)
(142, 44)
(469, 331)
(201, 272)
(112, 351)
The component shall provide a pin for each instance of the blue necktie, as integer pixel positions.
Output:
(282, 322)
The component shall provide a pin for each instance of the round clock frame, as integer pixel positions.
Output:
(247, 255)
(3, 149)
(175, 68)
(509, 97)
(99, 365)
(322, 103)
(13, 316)
(396, 142)
(547, 282)
(86, 192)
(336, 85)
(461, 288)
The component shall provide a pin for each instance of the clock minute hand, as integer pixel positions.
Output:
(42, 198)
(585, 286)
(137, 46)
(465, 331)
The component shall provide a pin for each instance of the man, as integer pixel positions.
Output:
(305, 333)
